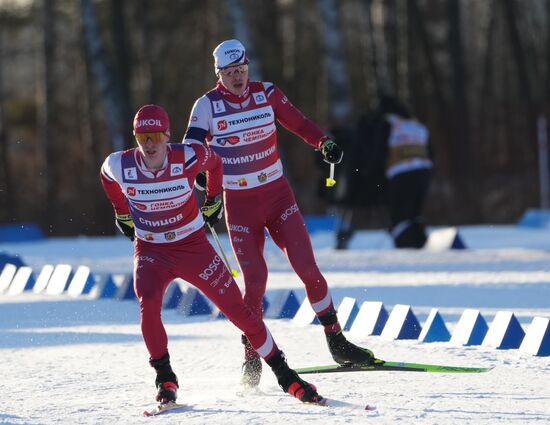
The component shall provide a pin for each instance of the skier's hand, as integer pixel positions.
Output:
(125, 224)
(332, 153)
(212, 210)
(200, 181)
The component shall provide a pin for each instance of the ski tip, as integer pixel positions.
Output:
(322, 402)
(162, 408)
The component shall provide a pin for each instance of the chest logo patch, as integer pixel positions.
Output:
(259, 98)
(219, 107)
(222, 125)
(176, 169)
(130, 173)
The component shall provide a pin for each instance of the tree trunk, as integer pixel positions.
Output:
(373, 51)
(487, 71)
(340, 108)
(103, 75)
(464, 162)
(48, 112)
(240, 29)
(391, 36)
(417, 22)
(6, 190)
(520, 60)
(123, 70)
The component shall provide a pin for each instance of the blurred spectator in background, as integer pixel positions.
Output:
(390, 163)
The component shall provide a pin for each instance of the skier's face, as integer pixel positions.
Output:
(235, 78)
(153, 147)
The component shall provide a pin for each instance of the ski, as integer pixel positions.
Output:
(323, 402)
(329, 402)
(393, 366)
(163, 408)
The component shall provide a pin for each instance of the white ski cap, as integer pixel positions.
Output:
(229, 52)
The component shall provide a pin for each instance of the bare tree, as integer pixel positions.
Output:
(240, 29)
(340, 108)
(464, 163)
(103, 75)
(47, 110)
(122, 61)
(518, 51)
(6, 189)
(391, 36)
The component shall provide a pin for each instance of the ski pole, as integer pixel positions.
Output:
(222, 253)
(330, 180)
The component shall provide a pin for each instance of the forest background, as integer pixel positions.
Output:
(73, 73)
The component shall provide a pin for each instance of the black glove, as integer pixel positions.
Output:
(125, 224)
(212, 210)
(200, 181)
(332, 153)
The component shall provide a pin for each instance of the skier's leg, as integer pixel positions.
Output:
(245, 226)
(246, 232)
(289, 232)
(151, 277)
(222, 290)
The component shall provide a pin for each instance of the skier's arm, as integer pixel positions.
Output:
(198, 126)
(111, 187)
(292, 118)
(123, 219)
(197, 132)
(210, 162)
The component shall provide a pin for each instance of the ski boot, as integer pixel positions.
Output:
(167, 392)
(291, 383)
(343, 351)
(166, 381)
(251, 370)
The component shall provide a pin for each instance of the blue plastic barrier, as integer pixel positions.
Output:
(470, 329)
(434, 330)
(20, 232)
(6, 258)
(537, 338)
(370, 319)
(104, 286)
(505, 332)
(316, 223)
(402, 324)
(282, 304)
(535, 218)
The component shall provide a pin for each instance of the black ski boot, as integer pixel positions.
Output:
(251, 370)
(166, 381)
(343, 351)
(290, 382)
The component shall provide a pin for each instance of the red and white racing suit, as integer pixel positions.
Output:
(171, 241)
(242, 130)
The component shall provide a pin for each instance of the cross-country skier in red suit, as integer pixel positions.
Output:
(238, 119)
(151, 189)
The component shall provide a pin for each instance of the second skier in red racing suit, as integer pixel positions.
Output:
(151, 189)
(238, 120)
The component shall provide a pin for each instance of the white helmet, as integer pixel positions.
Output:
(229, 52)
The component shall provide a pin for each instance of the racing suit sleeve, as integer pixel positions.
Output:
(293, 120)
(111, 187)
(209, 161)
(198, 126)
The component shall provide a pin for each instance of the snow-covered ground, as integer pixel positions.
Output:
(82, 361)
